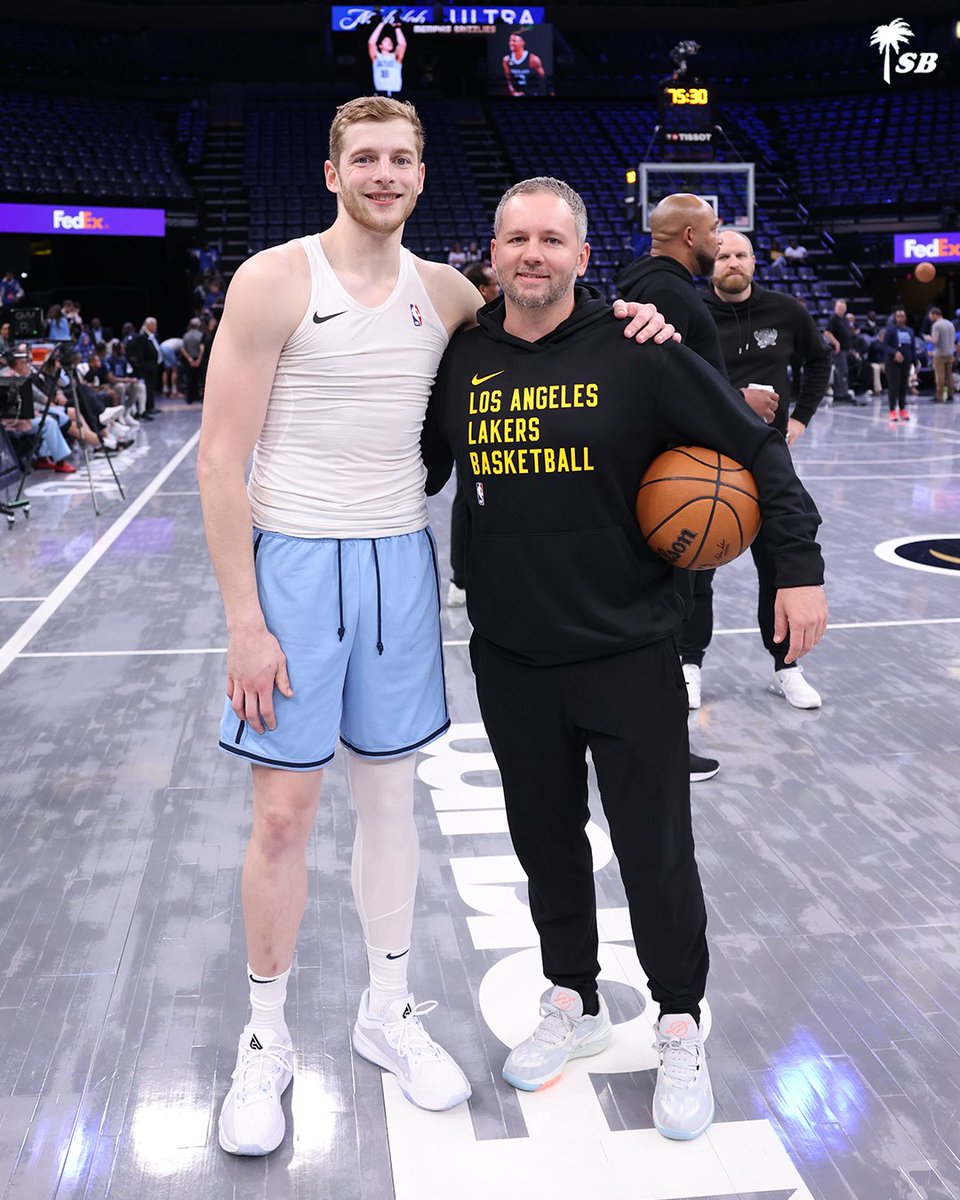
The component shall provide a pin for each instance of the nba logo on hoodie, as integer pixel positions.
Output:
(415, 314)
(480, 494)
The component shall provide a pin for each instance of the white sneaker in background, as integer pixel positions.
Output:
(456, 596)
(691, 675)
(791, 684)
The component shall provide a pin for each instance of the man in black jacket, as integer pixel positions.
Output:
(760, 332)
(552, 423)
(684, 236)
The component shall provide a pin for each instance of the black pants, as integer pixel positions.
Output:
(631, 711)
(193, 384)
(697, 594)
(695, 588)
(898, 373)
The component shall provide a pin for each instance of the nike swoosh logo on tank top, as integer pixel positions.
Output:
(318, 320)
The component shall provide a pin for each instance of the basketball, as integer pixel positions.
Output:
(925, 272)
(697, 508)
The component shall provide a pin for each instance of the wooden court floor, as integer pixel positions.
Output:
(829, 846)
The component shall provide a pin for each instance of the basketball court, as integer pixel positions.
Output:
(827, 846)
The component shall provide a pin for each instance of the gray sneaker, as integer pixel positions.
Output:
(683, 1099)
(398, 1042)
(564, 1033)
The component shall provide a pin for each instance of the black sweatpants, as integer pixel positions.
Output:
(697, 593)
(630, 709)
(695, 588)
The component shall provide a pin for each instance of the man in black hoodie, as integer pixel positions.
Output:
(760, 332)
(552, 418)
(684, 235)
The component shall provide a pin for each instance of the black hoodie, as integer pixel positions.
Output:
(760, 335)
(661, 280)
(551, 439)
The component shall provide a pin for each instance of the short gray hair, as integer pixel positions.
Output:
(546, 183)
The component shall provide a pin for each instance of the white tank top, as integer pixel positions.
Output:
(339, 452)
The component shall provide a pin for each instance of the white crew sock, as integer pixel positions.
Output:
(267, 998)
(388, 978)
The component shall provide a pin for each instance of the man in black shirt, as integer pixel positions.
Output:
(761, 332)
(552, 419)
(837, 325)
(684, 239)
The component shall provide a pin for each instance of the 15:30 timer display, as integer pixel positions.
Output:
(686, 95)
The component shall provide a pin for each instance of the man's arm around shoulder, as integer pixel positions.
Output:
(266, 301)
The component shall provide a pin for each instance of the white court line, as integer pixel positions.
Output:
(14, 645)
(751, 629)
(121, 653)
(931, 479)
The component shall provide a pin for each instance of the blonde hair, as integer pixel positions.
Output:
(372, 108)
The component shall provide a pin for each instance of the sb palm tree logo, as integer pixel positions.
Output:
(891, 37)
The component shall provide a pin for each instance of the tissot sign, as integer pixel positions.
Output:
(926, 247)
(82, 219)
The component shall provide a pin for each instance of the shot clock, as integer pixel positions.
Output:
(686, 120)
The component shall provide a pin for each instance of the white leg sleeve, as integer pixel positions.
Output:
(386, 850)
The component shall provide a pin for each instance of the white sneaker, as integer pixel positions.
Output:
(398, 1042)
(111, 414)
(683, 1099)
(456, 596)
(691, 675)
(251, 1119)
(564, 1033)
(791, 684)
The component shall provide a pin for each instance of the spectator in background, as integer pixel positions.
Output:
(796, 255)
(213, 292)
(71, 311)
(944, 337)
(208, 259)
(146, 358)
(130, 391)
(170, 351)
(457, 258)
(778, 264)
(840, 330)
(11, 291)
(84, 345)
(900, 355)
(58, 327)
(192, 350)
(4, 337)
(98, 332)
(474, 253)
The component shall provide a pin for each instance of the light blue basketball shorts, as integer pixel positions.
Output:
(359, 622)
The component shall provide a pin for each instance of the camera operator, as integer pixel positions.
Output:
(53, 451)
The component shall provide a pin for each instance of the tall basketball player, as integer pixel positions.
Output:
(321, 370)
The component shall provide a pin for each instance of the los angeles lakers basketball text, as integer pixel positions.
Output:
(507, 432)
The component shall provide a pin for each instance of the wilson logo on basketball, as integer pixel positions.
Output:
(684, 541)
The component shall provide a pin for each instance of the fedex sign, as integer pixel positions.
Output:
(926, 247)
(82, 219)
(75, 222)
